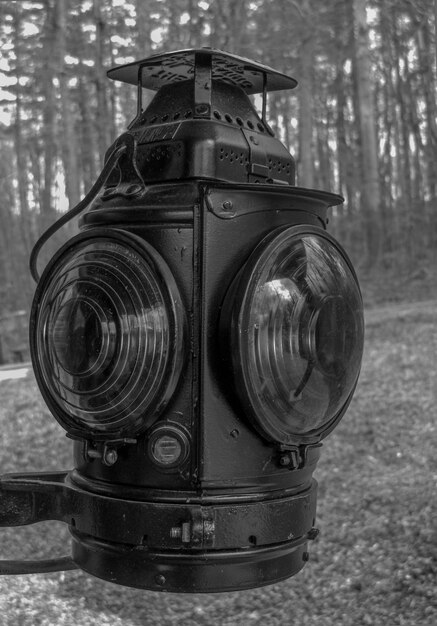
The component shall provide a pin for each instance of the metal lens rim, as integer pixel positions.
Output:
(167, 384)
(242, 293)
(172, 430)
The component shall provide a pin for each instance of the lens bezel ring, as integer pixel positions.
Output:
(175, 359)
(172, 430)
(234, 321)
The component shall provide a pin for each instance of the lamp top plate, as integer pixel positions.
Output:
(174, 67)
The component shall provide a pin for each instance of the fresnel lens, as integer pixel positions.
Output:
(197, 340)
(296, 331)
(108, 334)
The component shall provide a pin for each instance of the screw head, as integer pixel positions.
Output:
(110, 456)
(202, 109)
(284, 460)
(160, 579)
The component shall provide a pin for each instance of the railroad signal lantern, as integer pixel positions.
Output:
(197, 340)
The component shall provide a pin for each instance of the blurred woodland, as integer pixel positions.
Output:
(362, 121)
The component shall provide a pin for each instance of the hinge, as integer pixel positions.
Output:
(258, 167)
(106, 451)
(202, 84)
(294, 457)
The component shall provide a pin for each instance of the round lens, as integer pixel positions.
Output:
(166, 450)
(298, 325)
(167, 446)
(77, 332)
(107, 334)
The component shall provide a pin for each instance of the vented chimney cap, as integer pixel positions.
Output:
(174, 67)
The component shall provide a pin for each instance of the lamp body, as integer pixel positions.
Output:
(235, 517)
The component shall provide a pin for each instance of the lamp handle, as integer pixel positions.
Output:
(81, 206)
(43, 566)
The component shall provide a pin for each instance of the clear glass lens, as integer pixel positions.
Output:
(301, 334)
(104, 334)
(78, 333)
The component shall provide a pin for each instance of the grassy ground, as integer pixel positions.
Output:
(375, 561)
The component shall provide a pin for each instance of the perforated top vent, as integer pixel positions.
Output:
(174, 67)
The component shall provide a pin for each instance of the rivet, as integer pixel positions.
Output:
(227, 205)
(234, 433)
(160, 579)
(110, 457)
(201, 109)
(284, 460)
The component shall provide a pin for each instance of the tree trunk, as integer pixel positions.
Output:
(370, 189)
(7, 230)
(228, 25)
(435, 30)
(305, 172)
(428, 84)
(49, 116)
(88, 148)
(69, 144)
(21, 158)
(102, 119)
(144, 29)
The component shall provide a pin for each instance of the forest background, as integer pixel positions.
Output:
(362, 121)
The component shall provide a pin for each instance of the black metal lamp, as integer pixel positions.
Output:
(197, 340)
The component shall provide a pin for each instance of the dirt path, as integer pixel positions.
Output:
(398, 310)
